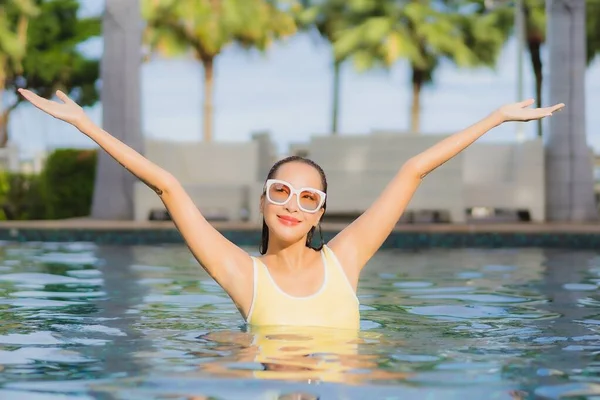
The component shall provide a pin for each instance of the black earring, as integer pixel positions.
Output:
(322, 242)
(309, 237)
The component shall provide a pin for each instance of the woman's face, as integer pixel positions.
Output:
(290, 221)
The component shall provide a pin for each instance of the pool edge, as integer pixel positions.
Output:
(584, 236)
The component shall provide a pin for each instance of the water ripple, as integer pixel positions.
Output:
(477, 298)
(81, 321)
(476, 312)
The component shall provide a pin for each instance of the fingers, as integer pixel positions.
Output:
(526, 103)
(548, 111)
(34, 99)
(63, 97)
(39, 102)
(28, 94)
(538, 113)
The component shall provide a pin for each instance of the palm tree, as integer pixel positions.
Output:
(423, 35)
(328, 18)
(593, 30)
(13, 44)
(51, 39)
(122, 43)
(569, 176)
(206, 27)
(535, 37)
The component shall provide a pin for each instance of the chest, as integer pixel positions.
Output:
(298, 283)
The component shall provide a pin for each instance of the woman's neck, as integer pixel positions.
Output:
(294, 256)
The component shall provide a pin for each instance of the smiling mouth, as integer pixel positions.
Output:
(289, 220)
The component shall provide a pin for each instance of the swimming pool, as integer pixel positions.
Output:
(82, 321)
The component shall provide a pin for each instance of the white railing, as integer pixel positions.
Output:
(225, 179)
(219, 176)
(485, 176)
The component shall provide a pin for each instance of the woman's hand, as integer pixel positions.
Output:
(68, 110)
(521, 112)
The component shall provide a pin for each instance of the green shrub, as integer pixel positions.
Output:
(68, 183)
(21, 197)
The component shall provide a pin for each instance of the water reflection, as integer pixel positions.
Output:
(118, 314)
(310, 355)
(147, 322)
(570, 285)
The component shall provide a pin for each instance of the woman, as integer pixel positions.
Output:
(292, 284)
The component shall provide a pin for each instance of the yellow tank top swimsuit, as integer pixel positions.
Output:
(334, 305)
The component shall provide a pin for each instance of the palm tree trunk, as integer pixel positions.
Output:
(22, 27)
(418, 77)
(536, 63)
(3, 121)
(208, 98)
(4, 118)
(534, 44)
(335, 107)
(569, 176)
(121, 116)
(3, 129)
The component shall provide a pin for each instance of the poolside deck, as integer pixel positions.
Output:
(497, 235)
(96, 225)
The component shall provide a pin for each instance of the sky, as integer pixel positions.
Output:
(287, 92)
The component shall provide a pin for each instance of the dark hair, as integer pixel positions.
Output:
(264, 241)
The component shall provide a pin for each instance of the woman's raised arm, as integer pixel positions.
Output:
(229, 265)
(359, 241)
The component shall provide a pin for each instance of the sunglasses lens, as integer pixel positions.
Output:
(279, 193)
(309, 200)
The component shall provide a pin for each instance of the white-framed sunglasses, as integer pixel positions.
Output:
(279, 192)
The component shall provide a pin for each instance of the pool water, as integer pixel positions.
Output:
(80, 321)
